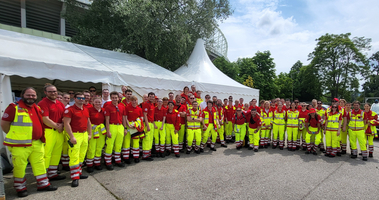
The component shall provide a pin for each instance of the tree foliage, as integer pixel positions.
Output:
(163, 32)
(284, 84)
(228, 68)
(338, 61)
(249, 82)
(371, 86)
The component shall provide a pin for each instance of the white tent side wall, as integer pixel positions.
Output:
(6, 99)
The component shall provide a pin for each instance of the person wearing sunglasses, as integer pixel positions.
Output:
(72, 99)
(321, 112)
(239, 127)
(194, 120)
(148, 115)
(52, 115)
(332, 130)
(292, 117)
(210, 125)
(114, 124)
(297, 102)
(229, 115)
(77, 124)
(371, 119)
(279, 126)
(303, 114)
(92, 90)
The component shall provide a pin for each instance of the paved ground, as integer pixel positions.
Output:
(225, 174)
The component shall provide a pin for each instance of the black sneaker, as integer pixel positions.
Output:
(255, 150)
(127, 161)
(99, 167)
(307, 152)
(48, 188)
(109, 167)
(57, 178)
(90, 169)
(177, 155)
(136, 160)
(148, 159)
(364, 158)
(168, 153)
(343, 152)
(353, 156)
(198, 151)
(201, 150)
(163, 155)
(315, 153)
(188, 152)
(83, 177)
(120, 164)
(249, 148)
(223, 145)
(338, 153)
(273, 147)
(370, 155)
(75, 183)
(281, 148)
(238, 148)
(213, 149)
(66, 168)
(23, 193)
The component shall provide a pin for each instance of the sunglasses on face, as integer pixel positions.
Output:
(192, 98)
(303, 106)
(239, 110)
(92, 90)
(334, 101)
(51, 91)
(334, 107)
(80, 98)
(318, 103)
(296, 102)
(71, 93)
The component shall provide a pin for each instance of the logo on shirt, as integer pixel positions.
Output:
(66, 111)
(5, 115)
(145, 109)
(42, 111)
(178, 115)
(105, 112)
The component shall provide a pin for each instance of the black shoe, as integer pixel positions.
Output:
(266, 146)
(83, 176)
(157, 155)
(327, 155)
(120, 164)
(23, 193)
(331, 156)
(249, 148)
(75, 183)
(315, 153)
(360, 154)
(307, 152)
(281, 148)
(343, 152)
(127, 161)
(136, 160)
(109, 167)
(57, 178)
(90, 169)
(48, 188)
(322, 149)
(255, 150)
(238, 148)
(177, 155)
(353, 156)
(213, 149)
(168, 153)
(163, 155)
(66, 168)
(227, 141)
(297, 148)
(201, 150)
(148, 159)
(188, 152)
(209, 145)
(338, 153)
(364, 158)
(370, 155)
(198, 151)
(223, 145)
(304, 148)
(99, 167)
(273, 147)
(181, 150)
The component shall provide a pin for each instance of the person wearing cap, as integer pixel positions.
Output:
(292, 117)
(279, 126)
(194, 120)
(159, 128)
(312, 126)
(371, 119)
(356, 130)
(229, 115)
(254, 126)
(332, 130)
(239, 127)
(303, 114)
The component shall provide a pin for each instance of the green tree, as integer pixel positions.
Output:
(228, 68)
(284, 84)
(338, 61)
(310, 86)
(249, 82)
(371, 86)
(163, 32)
(294, 74)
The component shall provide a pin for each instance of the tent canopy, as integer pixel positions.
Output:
(208, 78)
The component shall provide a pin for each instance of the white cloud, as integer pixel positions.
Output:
(260, 25)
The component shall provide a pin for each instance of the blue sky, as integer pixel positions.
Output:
(289, 28)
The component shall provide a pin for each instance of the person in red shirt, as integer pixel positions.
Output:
(240, 104)
(97, 141)
(183, 114)
(78, 126)
(303, 114)
(148, 115)
(126, 100)
(210, 125)
(185, 94)
(298, 106)
(87, 102)
(255, 123)
(165, 102)
(172, 129)
(254, 105)
(238, 121)
(356, 130)
(114, 124)
(31, 151)
(229, 115)
(313, 127)
(159, 132)
(133, 117)
(221, 120)
(52, 114)
(371, 118)
(171, 97)
(193, 91)
(333, 120)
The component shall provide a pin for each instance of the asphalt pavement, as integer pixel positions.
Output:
(224, 174)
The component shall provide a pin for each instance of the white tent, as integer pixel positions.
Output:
(27, 60)
(208, 78)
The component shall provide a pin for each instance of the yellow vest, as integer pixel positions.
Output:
(356, 122)
(21, 129)
(206, 118)
(292, 118)
(199, 101)
(333, 122)
(194, 115)
(279, 118)
(373, 127)
(266, 119)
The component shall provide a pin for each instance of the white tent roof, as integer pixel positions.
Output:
(200, 69)
(30, 56)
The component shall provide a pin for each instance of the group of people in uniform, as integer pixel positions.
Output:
(78, 128)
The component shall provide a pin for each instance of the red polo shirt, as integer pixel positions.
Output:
(53, 110)
(96, 117)
(303, 114)
(221, 113)
(35, 115)
(183, 108)
(240, 120)
(115, 115)
(148, 108)
(314, 121)
(132, 113)
(126, 104)
(79, 118)
(88, 105)
(173, 118)
(107, 104)
(159, 113)
(211, 118)
(257, 120)
(229, 112)
(256, 107)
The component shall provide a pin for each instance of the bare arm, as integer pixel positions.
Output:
(89, 129)
(5, 125)
(109, 135)
(68, 129)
